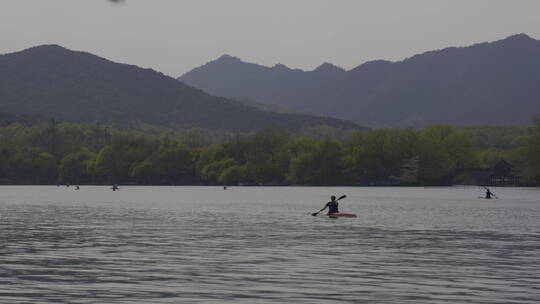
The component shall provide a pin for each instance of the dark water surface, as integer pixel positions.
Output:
(261, 245)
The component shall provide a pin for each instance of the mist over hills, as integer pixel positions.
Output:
(50, 81)
(496, 83)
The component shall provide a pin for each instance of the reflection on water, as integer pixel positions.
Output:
(260, 245)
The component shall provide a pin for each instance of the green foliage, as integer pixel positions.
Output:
(212, 171)
(81, 153)
(199, 137)
(323, 164)
(379, 154)
(461, 150)
(32, 165)
(208, 155)
(527, 155)
(170, 165)
(263, 173)
(105, 166)
(435, 163)
(321, 132)
(73, 168)
(443, 149)
(496, 137)
(143, 172)
(232, 176)
(489, 157)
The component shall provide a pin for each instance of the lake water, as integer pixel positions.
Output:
(261, 245)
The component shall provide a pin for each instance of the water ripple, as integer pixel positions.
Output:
(130, 251)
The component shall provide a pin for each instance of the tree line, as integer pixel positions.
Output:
(68, 153)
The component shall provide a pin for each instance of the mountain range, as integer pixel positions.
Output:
(495, 83)
(52, 82)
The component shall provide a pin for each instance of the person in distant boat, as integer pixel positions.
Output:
(488, 193)
(77, 187)
(332, 206)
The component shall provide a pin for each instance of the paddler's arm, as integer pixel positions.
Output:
(325, 206)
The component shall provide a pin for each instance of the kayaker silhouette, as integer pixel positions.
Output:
(333, 208)
(489, 194)
(332, 205)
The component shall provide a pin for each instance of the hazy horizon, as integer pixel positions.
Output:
(174, 37)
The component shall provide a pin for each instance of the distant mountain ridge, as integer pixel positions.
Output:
(50, 81)
(496, 83)
(280, 85)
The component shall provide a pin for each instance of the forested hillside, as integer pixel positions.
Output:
(493, 83)
(55, 83)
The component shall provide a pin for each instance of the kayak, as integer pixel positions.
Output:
(336, 215)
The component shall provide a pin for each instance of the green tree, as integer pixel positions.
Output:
(106, 165)
(461, 150)
(73, 168)
(173, 165)
(212, 171)
(322, 165)
(33, 165)
(232, 176)
(489, 157)
(527, 155)
(262, 173)
(381, 154)
(208, 155)
(443, 149)
(143, 172)
(435, 162)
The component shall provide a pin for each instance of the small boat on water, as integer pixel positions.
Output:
(336, 215)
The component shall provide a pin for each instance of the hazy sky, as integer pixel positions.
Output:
(174, 36)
